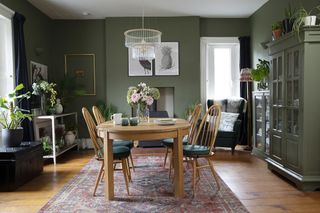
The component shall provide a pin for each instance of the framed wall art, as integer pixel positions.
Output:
(138, 67)
(82, 67)
(38, 72)
(167, 59)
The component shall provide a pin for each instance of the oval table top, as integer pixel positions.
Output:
(144, 127)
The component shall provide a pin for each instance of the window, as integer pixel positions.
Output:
(219, 68)
(6, 51)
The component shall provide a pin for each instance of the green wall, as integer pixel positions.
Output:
(262, 20)
(184, 30)
(37, 29)
(80, 37)
(224, 27)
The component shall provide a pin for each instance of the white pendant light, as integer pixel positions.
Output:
(142, 41)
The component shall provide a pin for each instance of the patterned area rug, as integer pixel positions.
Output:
(150, 191)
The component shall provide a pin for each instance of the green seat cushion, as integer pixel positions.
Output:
(195, 150)
(168, 142)
(128, 144)
(120, 152)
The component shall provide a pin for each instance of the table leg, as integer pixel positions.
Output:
(178, 166)
(108, 168)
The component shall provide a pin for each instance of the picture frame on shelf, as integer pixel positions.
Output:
(83, 68)
(38, 72)
(138, 67)
(167, 59)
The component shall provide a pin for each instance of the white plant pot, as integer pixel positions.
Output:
(310, 20)
(69, 138)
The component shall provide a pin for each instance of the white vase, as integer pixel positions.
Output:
(310, 20)
(69, 137)
(58, 107)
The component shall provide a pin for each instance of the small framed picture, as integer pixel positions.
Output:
(39, 72)
(138, 67)
(167, 59)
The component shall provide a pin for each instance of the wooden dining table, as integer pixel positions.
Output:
(144, 131)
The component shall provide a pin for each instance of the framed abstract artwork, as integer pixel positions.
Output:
(82, 67)
(167, 59)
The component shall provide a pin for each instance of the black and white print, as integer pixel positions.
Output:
(167, 59)
(139, 67)
(39, 72)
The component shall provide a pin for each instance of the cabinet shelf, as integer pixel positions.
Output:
(61, 151)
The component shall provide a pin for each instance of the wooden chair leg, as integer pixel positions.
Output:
(131, 162)
(198, 170)
(129, 171)
(194, 171)
(165, 158)
(102, 176)
(125, 173)
(214, 173)
(98, 179)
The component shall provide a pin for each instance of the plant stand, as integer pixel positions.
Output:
(50, 120)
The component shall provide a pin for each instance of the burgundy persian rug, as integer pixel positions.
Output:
(150, 191)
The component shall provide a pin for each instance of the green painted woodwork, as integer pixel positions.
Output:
(295, 144)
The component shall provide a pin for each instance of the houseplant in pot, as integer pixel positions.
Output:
(287, 23)
(276, 30)
(11, 117)
(303, 17)
(261, 73)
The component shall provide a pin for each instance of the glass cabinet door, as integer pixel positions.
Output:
(258, 121)
(267, 124)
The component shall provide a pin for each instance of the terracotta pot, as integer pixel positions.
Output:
(277, 34)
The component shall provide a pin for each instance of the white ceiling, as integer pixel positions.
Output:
(99, 9)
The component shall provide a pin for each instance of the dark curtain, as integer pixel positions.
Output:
(21, 70)
(245, 62)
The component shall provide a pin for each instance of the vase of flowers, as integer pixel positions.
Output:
(141, 97)
(44, 89)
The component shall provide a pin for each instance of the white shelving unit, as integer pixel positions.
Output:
(47, 120)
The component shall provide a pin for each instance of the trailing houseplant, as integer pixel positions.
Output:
(303, 17)
(276, 30)
(261, 73)
(11, 116)
(287, 23)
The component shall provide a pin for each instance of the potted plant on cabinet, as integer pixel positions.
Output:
(303, 17)
(11, 117)
(287, 23)
(276, 30)
(261, 73)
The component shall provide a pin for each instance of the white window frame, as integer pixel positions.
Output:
(205, 42)
(7, 13)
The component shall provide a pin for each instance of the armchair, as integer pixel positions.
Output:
(231, 105)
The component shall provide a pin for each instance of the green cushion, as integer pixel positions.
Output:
(168, 142)
(128, 144)
(195, 150)
(120, 152)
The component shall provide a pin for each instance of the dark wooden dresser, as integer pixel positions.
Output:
(19, 165)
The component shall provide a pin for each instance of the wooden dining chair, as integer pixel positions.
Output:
(203, 144)
(120, 153)
(100, 119)
(168, 143)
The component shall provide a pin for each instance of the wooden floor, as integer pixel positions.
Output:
(248, 177)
